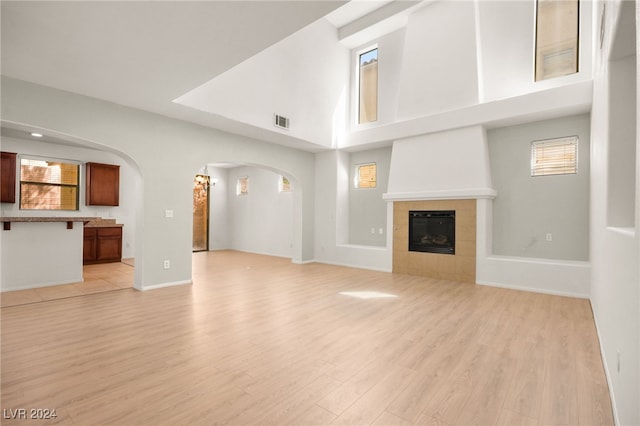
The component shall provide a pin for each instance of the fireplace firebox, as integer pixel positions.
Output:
(432, 231)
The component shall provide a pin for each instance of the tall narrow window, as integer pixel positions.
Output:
(365, 176)
(368, 86)
(556, 38)
(48, 185)
(554, 156)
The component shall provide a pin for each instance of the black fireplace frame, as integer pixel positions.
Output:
(430, 246)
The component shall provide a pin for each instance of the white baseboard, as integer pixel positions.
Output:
(616, 420)
(41, 285)
(534, 290)
(348, 265)
(163, 285)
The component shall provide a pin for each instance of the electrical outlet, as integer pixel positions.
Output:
(167, 264)
(380, 231)
(549, 237)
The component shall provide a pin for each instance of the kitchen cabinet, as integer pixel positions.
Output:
(8, 177)
(103, 184)
(102, 245)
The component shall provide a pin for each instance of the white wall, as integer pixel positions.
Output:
(506, 32)
(615, 288)
(168, 153)
(439, 63)
(124, 214)
(332, 218)
(40, 254)
(367, 209)
(527, 208)
(303, 77)
(218, 213)
(262, 220)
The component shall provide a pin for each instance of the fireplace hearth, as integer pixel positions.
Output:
(432, 231)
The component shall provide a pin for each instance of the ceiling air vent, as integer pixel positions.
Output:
(280, 121)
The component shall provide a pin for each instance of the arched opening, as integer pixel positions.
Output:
(128, 213)
(252, 207)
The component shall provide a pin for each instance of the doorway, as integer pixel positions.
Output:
(201, 185)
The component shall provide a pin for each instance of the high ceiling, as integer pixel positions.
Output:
(145, 54)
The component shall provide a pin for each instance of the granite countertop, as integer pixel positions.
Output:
(46, 219)
(98, 222)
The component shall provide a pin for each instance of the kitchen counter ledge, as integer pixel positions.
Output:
(69, 220)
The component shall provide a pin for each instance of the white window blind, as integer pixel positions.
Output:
(48, 185)
(554, 156)
(366, 176)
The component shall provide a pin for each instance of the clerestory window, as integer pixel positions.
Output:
(368, 86)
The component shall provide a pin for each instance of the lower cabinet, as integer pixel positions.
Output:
(102, 245)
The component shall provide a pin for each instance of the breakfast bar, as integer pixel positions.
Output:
(41, 251)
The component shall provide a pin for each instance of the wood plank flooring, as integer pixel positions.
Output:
(257, 340)
(98, 278)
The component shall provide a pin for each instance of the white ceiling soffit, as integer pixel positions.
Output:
(145, 54)
(354, 10)
(390, 17)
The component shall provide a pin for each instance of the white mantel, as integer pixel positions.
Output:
(452, 194)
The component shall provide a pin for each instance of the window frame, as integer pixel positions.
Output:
(239, 189)
(548, 170)
(358, 55)
(284, 187)
(36, 158)
(357, 179)
(539, 77)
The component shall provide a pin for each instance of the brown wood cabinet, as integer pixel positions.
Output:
(103, 184)
(8, 177)
(102, 245)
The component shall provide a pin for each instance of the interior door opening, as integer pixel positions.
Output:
(201, 185)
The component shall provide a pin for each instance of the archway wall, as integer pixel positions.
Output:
(167, 152)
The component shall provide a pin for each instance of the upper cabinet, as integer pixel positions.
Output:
(8, 177)
(103, 184)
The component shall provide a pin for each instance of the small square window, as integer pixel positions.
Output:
(242, 187)
(554, 156)
(365, 176)
(284, 184)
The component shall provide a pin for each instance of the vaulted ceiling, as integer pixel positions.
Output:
(145, 54)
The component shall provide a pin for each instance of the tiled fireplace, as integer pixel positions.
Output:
(459, 266)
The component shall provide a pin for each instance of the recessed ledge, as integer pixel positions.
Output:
(448, 194)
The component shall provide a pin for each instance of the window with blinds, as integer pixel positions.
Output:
(365, 176)
(48, 185)
(554, 156)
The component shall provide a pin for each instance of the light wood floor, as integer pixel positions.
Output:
(97, 279)
(257, 340)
